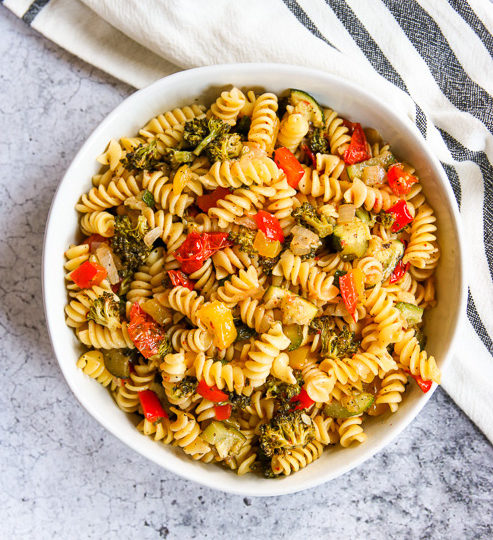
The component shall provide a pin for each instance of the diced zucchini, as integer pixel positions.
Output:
(227, 440)
(296, 310)
(363, 215)
(298, 357)
(117, 363)
(349, 405)
(351, 239)
(356, 170)
(295, 334)
(273, 296)
(389, 256)
(413, 314)
(315, 113)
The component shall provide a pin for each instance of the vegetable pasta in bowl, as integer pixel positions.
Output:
(252, 274)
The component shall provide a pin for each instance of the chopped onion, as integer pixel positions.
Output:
(248, 222)
(152, 236)
(105, 257)
(253, 150)
(303, 240)
(346, 213)
(373, 175)
(135, 204)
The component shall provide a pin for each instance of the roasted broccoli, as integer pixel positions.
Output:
(268, 263)
(317, 141)
(198, 133)
(128, 243)
(287, 429)
(385, 218)
(243, 126)
(340, 345)
(175, 158)
(226, 146)
(244, 237)
(105, 310)
(165, 347)
(307, 216)
(238, 401)
(282, 391)
(144, 157)
(185, 388)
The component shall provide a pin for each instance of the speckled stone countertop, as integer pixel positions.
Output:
(63, 476)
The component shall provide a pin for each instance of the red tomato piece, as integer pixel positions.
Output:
(398, 272)
(311, 156)
(422, 383)
(399, 181)
(212, 393)
(357, 150)
(199, 247)
(350, 125)
(292, 168)
(401, 214)
(269, 225)
(94, 241)
(223, 412)
(349, 292)
(145, 333)
(209, 200)
(180, 278)
(153, 410)
(303, 400)
(88, 274)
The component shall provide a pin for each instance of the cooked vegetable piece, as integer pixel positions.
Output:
(223, 412)
(302, 400)
(286, 430)
(226, 439)
(307, 216)
(317, 143)
(105, 310)
(198, 247)
(286, 160)
(399, 180)
(144, 157)
(265, 247)
(212, 393)
(314, 113)
(412, 314)
(269, 225)
(389, 255)
(219, 321)
(295, 309)
(179, 278)
(401, 214)
(151, 406)
(356, 170)
(88, 274)
(225, 147)
(351, 239)
(156, 310)
(209, 200)
(117, 362)
(351, 405)
(357, 150)
(295, 334)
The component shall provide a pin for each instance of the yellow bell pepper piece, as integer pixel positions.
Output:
(182, 176)
(298, 357)
(266, 247)
(218, 319)
(359, 281)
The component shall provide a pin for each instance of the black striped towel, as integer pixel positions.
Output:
(436, 53)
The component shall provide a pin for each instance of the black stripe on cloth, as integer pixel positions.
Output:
(460, 153)
(477, 323)
(365, 42)
(303, 18)
(421, 120)
(454, 181)
(465, 11)
(456, 85)
(33, 10)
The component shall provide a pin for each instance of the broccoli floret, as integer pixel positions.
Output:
(105, 310)
(243, 331)
(128, 243)
(268, 263)
(340, 345)
(282, 391)
(144, 157)
(186, 387)
(225, 147)
(317, 141)
(199, 133)
(175, 158)
(286, 430)
(243, 125)
(165, 347)
(239, 401)
(385, 218)
(244, 237)
(307, 216)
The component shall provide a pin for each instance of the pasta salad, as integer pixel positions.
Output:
(252, 278)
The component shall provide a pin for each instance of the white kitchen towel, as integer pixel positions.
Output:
(429, 58)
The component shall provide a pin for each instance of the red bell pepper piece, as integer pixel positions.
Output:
(399, 181)
(422, 383)
(198, 247)
(269, 225)
(94, 241)
(145, 333)
(286, 160)
(209, 200)
(88, 274)
(401, 214)
(307, 150)
(349, 292)
(223, 412)
(303, 400)
(178, 277)
(212, 393)
(398, 272)
(153, 410)
(357, 150)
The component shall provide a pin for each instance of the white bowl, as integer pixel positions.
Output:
(186, 87)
